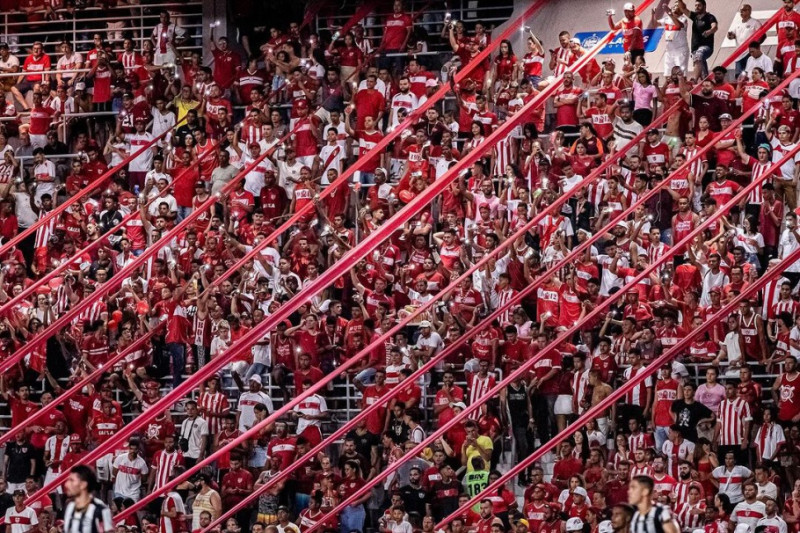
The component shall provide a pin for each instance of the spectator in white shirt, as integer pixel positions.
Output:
(193, 437)
(128, 472)
(742, 29)
(756, 58)
(772, 521)
(767, 490)
(749, 511)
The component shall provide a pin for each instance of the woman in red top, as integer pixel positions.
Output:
(750, 92)
(505, 64)
(791, 509)
(704, 134)
(352, 517)
(350, 57)
(705, 461)
(533, 61)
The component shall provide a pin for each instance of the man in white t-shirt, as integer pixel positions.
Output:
(245, 414)
(429, 343)
(289, 172)
(749, 511)
(789, 241)
(20, 517)
(309, 414)
(142, 163)
(163, 196)
(193, 436)
(254, 180)
(128, 472)
(44, 172)
(404, 99)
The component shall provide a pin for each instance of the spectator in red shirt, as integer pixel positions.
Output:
(38, 61)
(396, 32)
(226, 62)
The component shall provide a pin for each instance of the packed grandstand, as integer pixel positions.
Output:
(393, 268)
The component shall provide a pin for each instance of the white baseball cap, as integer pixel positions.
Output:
(580, 491)
(605, 527)
(256, 377)
(629, 7)
(574, 524)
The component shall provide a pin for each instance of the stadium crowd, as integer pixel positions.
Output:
(717, 457)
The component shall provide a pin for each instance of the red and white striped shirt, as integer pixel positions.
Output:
(57, 447)
(580, 380)
(687, 520)
(696, 165)
(45, 230)
(478, 388)
(732, 416)
(682, 491)
(756, 195)
(646, 470)
(503, 155)
(677, 453)
(172, 502)
(640, 441)
(163, 463)
(785, 306)
(213, 404)
(771, 294)
(637, 395)
(564, 58)
(654, 253)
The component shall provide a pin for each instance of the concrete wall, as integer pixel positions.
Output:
(589, 15)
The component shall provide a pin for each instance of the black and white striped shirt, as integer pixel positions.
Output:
(95, 518)
(651, 522)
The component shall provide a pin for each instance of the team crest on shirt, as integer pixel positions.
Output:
(787, 393)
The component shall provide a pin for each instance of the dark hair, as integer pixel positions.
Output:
(645, 481)
(85, 474)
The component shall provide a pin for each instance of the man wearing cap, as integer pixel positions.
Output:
(245, 414)
(21, 518)
(632, 34)
(786, 182)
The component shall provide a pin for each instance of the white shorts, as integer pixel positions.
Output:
(240, 367)
(794, 89)
(166, 57)
(15, 486)
(675, 58)
(49, 477)
(258, 457)
(563, 405)
(38, 141)
(307, 160)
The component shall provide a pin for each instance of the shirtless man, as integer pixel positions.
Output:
(600, 390)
